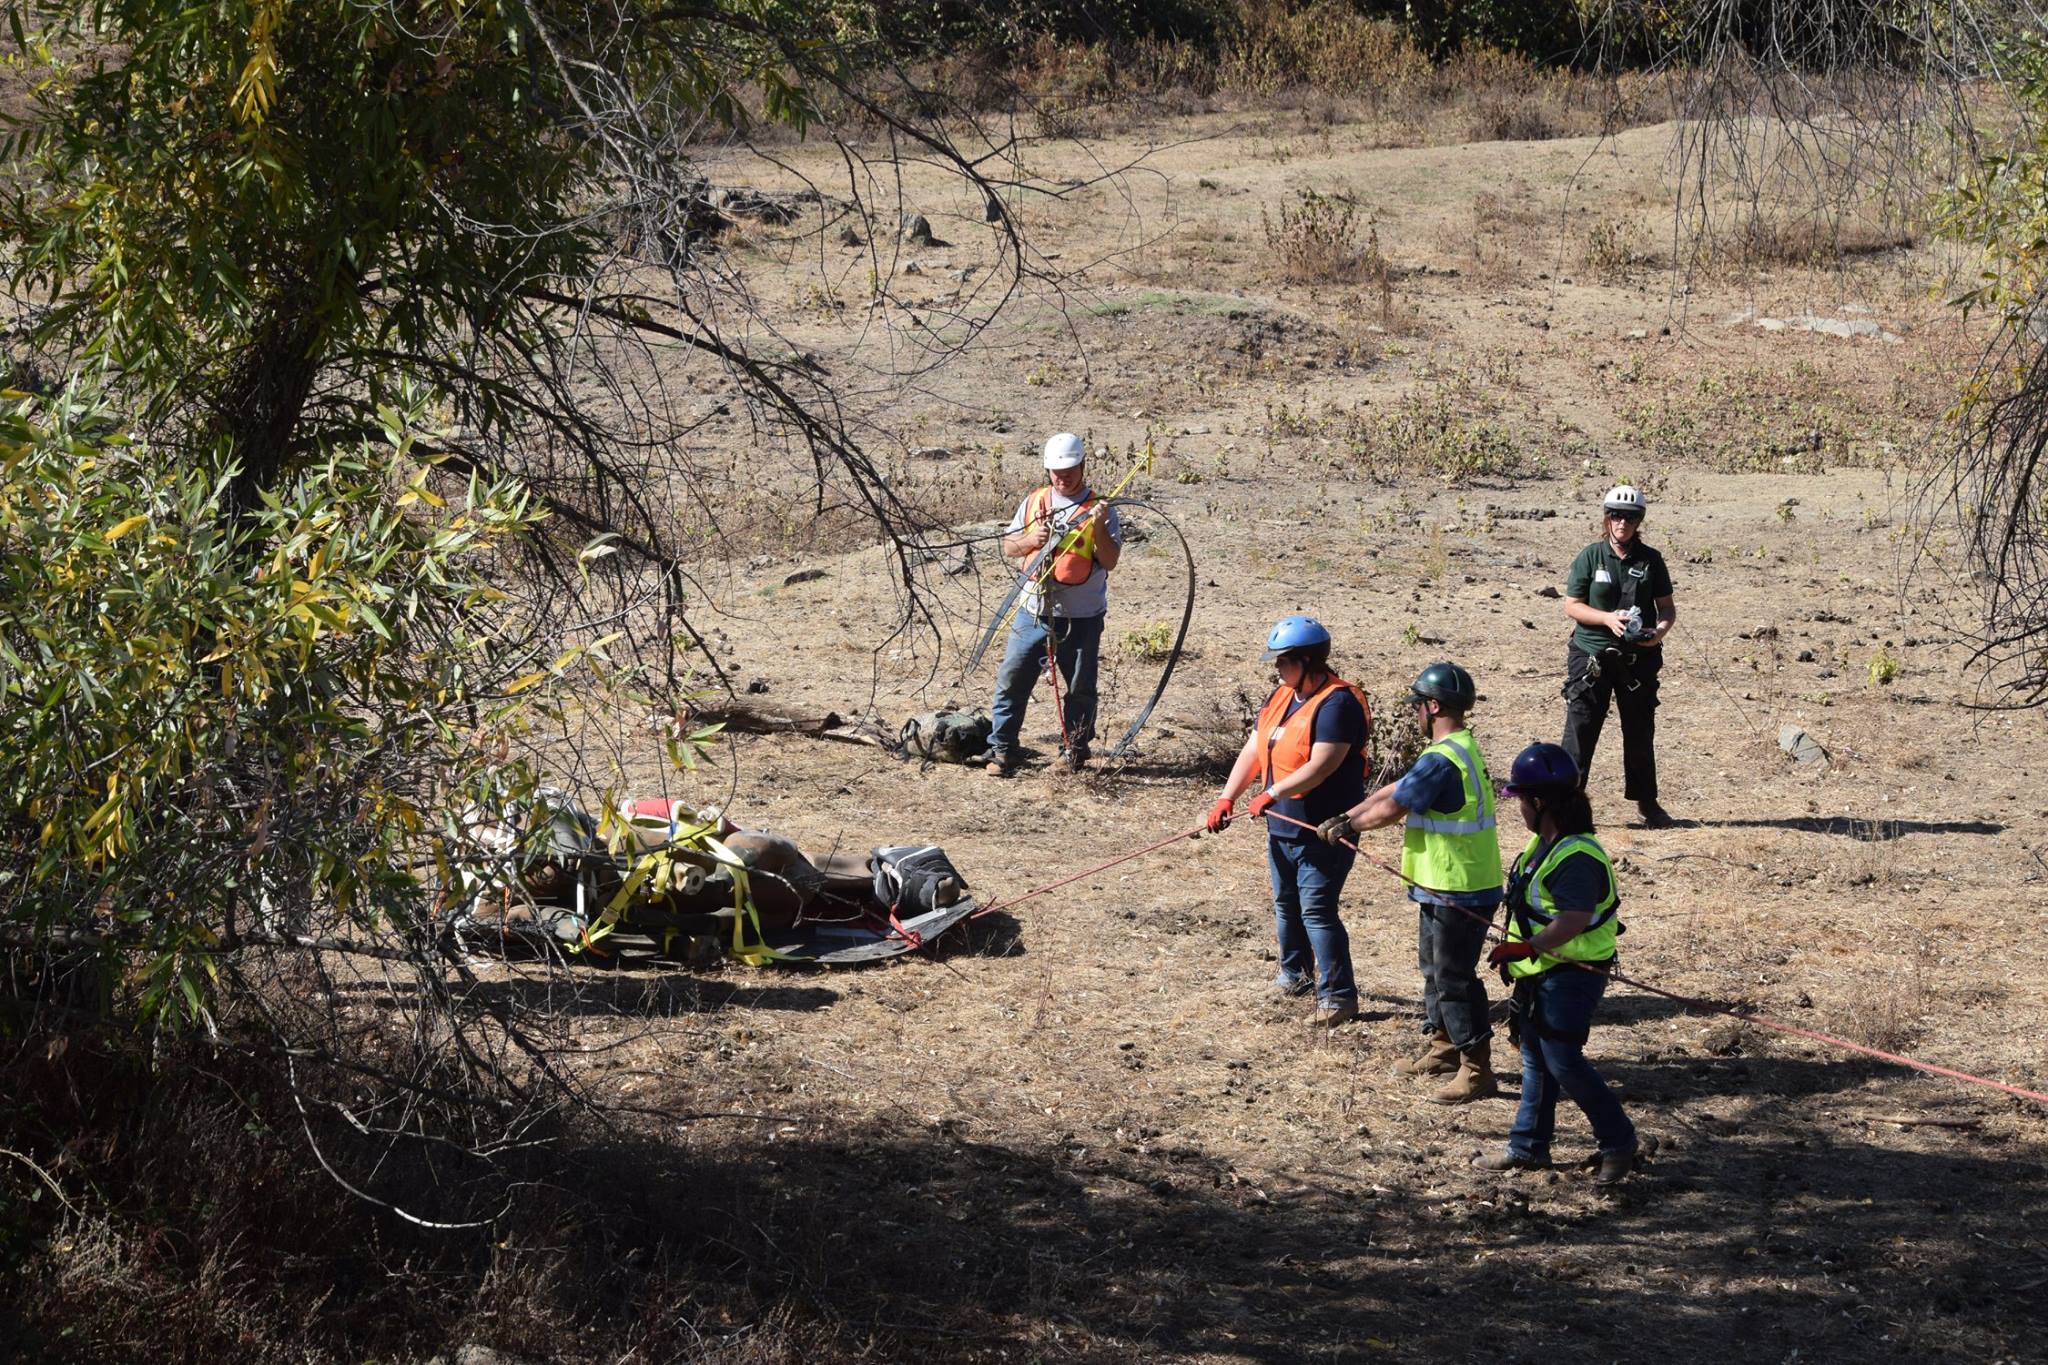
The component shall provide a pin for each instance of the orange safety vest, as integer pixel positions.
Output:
(1068, 566)
(1284, 746)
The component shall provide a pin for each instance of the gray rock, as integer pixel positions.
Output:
(918, 229)
(473, 1354)
(803, 576)
(1803, 747)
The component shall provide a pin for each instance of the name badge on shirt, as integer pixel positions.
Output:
(1602, 576)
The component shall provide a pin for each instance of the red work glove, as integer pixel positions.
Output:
(1509, 952)
(1260, 804)
(1219, 815)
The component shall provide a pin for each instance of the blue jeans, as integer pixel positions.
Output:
(1077, 641)
(1308, 878)
(1564, 1000)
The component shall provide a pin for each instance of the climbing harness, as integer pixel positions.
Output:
(1173, 655)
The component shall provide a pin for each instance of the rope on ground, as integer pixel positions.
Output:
(1764, 1021)
(994, 906)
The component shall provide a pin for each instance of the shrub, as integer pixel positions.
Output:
(1149, 643)
(1613, 246)
(1316, 240)
(215, 722)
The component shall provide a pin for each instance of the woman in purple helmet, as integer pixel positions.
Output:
(1562, 925)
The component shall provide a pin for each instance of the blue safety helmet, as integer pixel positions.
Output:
(1542, 767)
(1295, 632)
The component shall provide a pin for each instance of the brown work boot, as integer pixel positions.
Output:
(1330, 1016)
(1438, 1058)
(1508, 1161)
(1654, 815)
(1614, 1167)
(1474, 1080)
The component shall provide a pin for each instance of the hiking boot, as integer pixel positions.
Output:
(1074, 759)
(1292, 987)
(1614, 1166)
(1654, 815)
(1508, 1161)
(996, 761)
(1438, 1058)
(1474, 1080)
(1342, 1012)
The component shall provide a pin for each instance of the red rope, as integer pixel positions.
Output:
(1711, 1006)
(994, 906)
(903, 931)
(1052, 670)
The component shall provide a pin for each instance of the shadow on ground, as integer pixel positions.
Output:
(944, 1244)
(1851, 827)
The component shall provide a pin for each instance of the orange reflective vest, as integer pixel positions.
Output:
(1068, 566)
(1283, 745)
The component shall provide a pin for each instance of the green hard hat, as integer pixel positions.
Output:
(1447, 683)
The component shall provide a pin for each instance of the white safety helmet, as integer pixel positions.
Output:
(1624, 498)
(1065, 451)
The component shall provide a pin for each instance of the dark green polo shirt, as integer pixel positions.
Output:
(1596, 578)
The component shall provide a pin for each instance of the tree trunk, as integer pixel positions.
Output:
(259, 414)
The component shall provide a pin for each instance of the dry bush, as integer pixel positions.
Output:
(1505, 228)
(1512, 208)
(1762, 239)
(1071, 122)
(1315, 240)
(1331, 47)
(1888, 1011)
(1613, 246)
(1397, 741)
(1157, 68)
(1498, 115)
(1211, 739)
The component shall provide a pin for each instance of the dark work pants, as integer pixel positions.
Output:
(1633, 688)
(1448, 942)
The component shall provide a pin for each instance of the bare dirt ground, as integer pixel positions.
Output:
(1083, 1131)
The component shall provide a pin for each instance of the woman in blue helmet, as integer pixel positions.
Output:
(1305, 759)
(1562, 926)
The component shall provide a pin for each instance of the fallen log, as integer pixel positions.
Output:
(762, 718)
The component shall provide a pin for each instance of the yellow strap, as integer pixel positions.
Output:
(1068, 539)
(758, 952)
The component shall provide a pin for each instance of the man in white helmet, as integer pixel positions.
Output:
(1618, 595)
(1063, 617)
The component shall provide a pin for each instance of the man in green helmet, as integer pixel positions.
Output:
(1450, 855)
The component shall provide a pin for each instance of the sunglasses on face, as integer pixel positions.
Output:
(1630, 517)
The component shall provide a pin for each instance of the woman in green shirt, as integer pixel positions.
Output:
(1618, 595)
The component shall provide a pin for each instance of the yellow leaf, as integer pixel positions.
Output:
(124, 526)
(521, 684)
